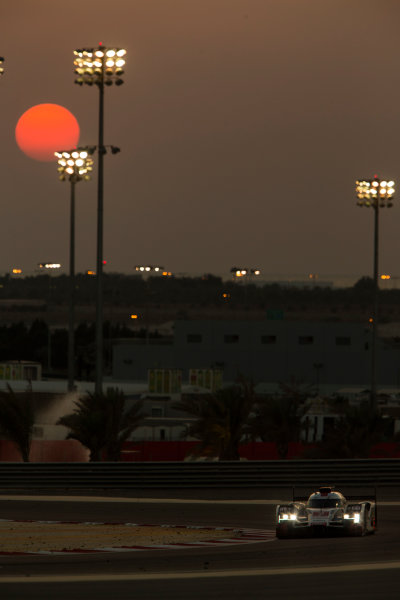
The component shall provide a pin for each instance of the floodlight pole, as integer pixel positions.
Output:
(75, 165)
(99, 267)
(71, 327)
(375, 306)
(101, 67)
(375, 194)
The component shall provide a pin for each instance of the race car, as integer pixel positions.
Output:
(326, 511)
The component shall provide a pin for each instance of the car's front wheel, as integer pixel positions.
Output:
(284, 531)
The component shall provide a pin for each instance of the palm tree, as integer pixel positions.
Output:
(121, 422)
(354, 433)
(219, 419)
(279, 420)
(17, 418)
(102, 423)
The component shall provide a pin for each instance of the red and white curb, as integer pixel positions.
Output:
(242, 536)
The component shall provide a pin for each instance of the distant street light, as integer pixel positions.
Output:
(101, 67)
(375, 193)
(74, 165)
(240, 272)
(148, 268)
(49, 265)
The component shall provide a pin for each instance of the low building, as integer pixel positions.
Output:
(269, 351)
(20, 370)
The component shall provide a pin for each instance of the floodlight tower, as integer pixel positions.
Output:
(100, 67)
(375, 193)
(74, 165)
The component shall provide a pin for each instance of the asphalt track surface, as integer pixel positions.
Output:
(367, 568)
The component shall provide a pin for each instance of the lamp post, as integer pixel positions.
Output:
(101, 67)
(74, 165)
(375, 193)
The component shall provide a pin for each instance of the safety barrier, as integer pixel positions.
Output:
(174, 475)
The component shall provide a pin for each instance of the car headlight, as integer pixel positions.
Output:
(354, 517)
(286, 514)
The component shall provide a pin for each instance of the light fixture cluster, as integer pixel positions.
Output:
(243, 272)
(147, 269)
(374, 192)
(75, 164)
(1, 65)
(45, 265)
(99, 66)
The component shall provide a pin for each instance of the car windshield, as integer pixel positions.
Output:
(323, 503)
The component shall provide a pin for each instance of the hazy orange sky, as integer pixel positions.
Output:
(242, 124)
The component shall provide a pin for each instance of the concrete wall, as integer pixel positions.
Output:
(46, 451)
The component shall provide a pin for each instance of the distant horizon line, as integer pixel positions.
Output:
(336, 279)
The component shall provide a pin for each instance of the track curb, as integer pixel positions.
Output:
(241, 536)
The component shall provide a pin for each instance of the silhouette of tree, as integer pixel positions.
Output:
(365, 284)
(219, 419)
(102, 423)
(353, 434)
(278, 420)
(17, 419)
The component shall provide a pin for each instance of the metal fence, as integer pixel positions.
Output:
(175, 475)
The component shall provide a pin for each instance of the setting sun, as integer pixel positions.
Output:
(44, 129)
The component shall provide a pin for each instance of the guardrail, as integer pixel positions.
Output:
(145, 475)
